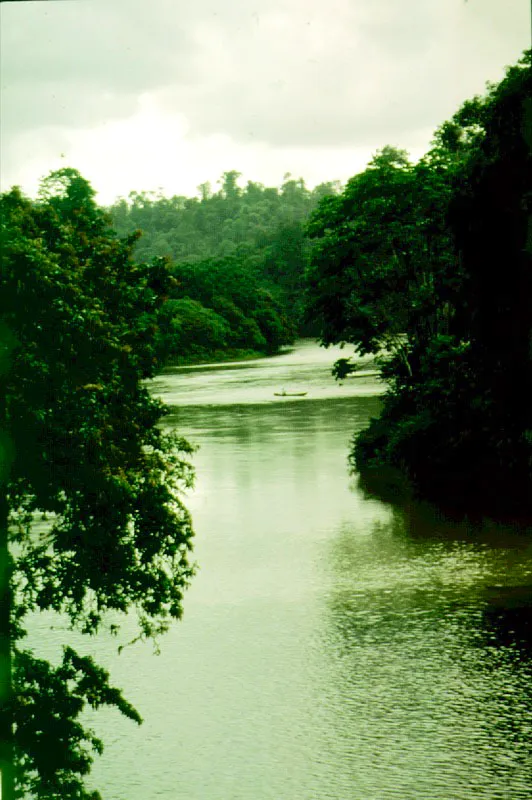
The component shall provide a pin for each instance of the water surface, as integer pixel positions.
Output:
(333, 647)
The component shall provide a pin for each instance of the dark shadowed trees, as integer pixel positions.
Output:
(430, 268)
(82, 443)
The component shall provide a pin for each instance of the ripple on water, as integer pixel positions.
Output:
(333, 647)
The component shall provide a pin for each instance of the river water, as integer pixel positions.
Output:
(333, 647)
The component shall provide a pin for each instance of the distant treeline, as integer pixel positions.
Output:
(238, 259)
(427, 266)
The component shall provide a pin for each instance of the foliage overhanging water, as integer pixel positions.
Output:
(332, 647)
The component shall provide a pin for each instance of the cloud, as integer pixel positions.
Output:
(313, 74)
(337, 73)
(78, 63)
(297, 76)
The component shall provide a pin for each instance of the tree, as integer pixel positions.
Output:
(81, 442)
(432, 263)
(220, 306)
(491, 217)
(259, 229)
(195, 330)
(379, 251)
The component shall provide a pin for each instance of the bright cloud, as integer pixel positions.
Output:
(170, 93)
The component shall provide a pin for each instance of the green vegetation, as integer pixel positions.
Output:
(86, 316)
(429, 267)
(81, 443)
(426, 266)
(238, 258)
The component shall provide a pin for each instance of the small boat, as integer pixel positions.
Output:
(290, 394)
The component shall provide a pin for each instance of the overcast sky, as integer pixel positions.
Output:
(148, 94)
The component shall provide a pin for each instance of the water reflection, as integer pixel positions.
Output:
(333, 647)
(432, 667)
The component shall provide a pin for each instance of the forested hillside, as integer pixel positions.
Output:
(238, 257)
(429, 267)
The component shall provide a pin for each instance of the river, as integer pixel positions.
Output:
(333, 647)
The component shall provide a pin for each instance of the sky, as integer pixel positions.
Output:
(163, 95)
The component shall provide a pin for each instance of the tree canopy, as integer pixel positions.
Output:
(237, 248)
(82, 443)
(428, 266)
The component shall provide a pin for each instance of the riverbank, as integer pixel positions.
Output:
(222, 357)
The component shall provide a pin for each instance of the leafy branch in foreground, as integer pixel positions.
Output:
(82, 442)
